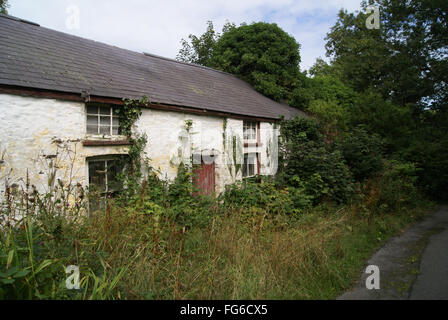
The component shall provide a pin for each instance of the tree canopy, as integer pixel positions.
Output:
(260, 53)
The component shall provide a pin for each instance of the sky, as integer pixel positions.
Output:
(157, 27)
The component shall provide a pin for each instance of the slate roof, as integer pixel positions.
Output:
(36, 57)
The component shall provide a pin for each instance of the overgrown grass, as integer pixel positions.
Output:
(239, 253)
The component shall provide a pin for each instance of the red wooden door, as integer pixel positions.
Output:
(204, 177)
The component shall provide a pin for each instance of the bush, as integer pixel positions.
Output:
(304, 154)
(393, 189)
(363, 153)
(265, 195)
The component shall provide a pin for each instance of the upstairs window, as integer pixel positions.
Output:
(250, 131)
(102, 120)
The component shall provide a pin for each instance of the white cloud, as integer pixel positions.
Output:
(158, 26)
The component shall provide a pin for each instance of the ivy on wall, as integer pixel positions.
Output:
(129, 113)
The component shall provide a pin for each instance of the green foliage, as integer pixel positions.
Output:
(261, 54)
(129, 113)
(393, 123)
(4, 5)
(363, 153)
(429, 151)
(393, 189)
(201, 49)
(399, 74)
(306, 156)
(26, 271)
(265, 197)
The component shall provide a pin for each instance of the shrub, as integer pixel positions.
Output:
(393, 189)
(363, 153)
(304, 154)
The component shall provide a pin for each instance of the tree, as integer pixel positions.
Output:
(3, 6)
(400, 76)
(405, 60)
(200, 49)
(260, 53)
(263, 55)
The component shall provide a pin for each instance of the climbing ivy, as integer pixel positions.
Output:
(129, 113)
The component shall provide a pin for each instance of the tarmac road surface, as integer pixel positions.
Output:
(413, 265)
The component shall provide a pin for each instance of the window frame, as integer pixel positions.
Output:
(245, 166)
(111, 115)
(250, 125)
(106, 160)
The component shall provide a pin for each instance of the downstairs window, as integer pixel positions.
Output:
(104, 174)
(250, 165)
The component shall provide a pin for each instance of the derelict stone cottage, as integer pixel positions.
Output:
(58, 93)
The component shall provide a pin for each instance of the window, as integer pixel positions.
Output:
(250, 165)
(103, 174)
(102, 120)
(250, 131)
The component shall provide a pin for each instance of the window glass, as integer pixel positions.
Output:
(105, 110)
(97, 175)
(114, 168)
(249, 130)
(104, 175)
(92, 109)
(250, 164)
(102, 120)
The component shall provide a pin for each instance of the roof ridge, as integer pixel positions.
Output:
(187, 63)
(7, 16)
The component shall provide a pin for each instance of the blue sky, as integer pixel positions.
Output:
(158, 26)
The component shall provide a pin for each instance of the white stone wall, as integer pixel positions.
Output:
(33, 130)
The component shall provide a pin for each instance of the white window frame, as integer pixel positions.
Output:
(111, 115)
(250, 131)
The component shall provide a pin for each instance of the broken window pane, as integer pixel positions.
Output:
(105, 120)
(104, 175)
